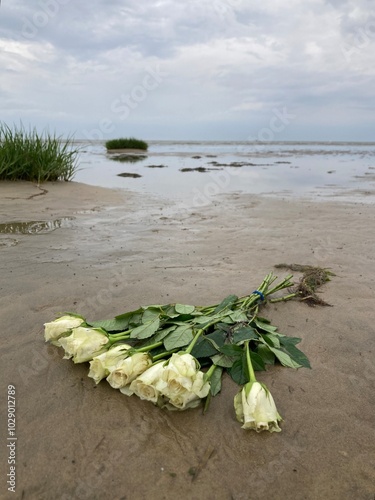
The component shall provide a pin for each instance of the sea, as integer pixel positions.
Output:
(196, 172)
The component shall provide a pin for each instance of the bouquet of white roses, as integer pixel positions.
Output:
(175, 355)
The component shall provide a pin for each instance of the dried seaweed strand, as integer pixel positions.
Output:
(312, 279)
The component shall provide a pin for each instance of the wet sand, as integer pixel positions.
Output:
(118, 250)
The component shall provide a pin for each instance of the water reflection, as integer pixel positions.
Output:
(127, 158)
(35, 227)
(301, 169)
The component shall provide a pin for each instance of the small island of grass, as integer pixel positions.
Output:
(126, 143)
(27, 155)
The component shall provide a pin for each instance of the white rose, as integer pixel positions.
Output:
(55, 329)
(201, 387)
(101, 366)
(182, 383)
(83, 344)
(183, 364)
(144, 386)
(128, 369)
(188, 397)
(256, 409)
(182, 401)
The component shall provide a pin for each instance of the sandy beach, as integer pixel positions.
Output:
(113, 250)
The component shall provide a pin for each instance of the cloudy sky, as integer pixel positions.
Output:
(190, 69)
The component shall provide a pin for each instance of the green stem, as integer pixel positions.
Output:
(207, 403)
(255, 314)
(113, 339)
(190, 347)
(164, 354)
(150, 347)
(249, 363)
(210, 372)
(253, 298)
(126, 332)
(284, 284)
(285, 298)
(207, 377)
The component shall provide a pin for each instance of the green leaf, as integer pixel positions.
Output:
(135, 319)
(271, 339)
(170, 311)
(231, 350)
(263, 320)
(203, 349)
(298, 356)
(146, 330)
(215, 381)
(184, 309)
(119, 323)
(110, 325)
(223, 327)
(180, 337)
(206, 407)
(130, 315)
(223, 360)
(266, 354)
(217, 338)
(257, 361)
(266, 327)
(176, 322)
(226, 303)
(202, 319)
(208, 318)
(159, 335)
(239, 372)
(238, 316)
(208, 345)
(150, 314)
(284, 358)
(244, 333)
(290, 340)
(227, 320)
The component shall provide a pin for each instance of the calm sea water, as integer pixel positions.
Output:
(318, 170)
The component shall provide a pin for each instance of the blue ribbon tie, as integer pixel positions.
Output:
(261, 296)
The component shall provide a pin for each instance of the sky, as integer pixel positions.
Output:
(190, 70)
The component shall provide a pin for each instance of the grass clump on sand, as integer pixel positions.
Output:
(29, 156)
(126, 143)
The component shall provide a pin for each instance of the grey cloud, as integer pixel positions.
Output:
(225, 60)
(152, 28)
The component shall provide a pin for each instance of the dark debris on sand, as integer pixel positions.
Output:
(311, 279)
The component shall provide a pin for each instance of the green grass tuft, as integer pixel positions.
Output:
(29, 156)
(126, 143)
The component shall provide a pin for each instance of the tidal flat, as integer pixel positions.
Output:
(119, 249)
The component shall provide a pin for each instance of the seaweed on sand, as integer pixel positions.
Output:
(311, 280)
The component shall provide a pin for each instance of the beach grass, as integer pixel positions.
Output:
(126, 143)
(30, 156)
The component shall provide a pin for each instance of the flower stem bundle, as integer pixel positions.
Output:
(175, 355)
